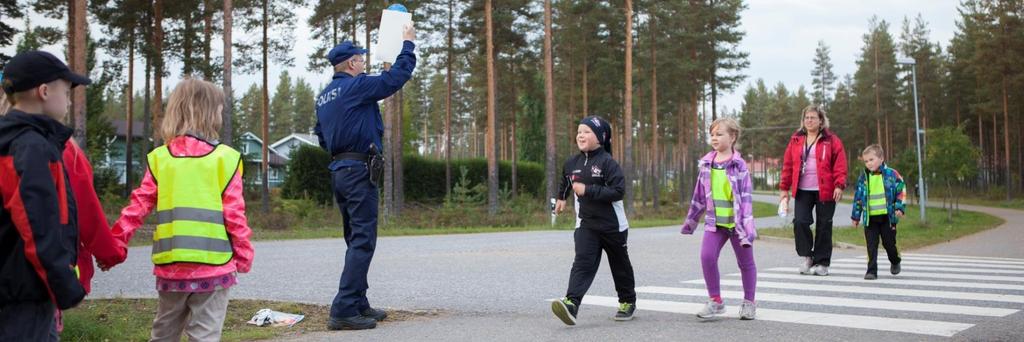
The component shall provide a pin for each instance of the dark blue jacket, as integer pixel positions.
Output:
(348, 117)
(38, 217)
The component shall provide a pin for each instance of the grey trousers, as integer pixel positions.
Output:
(199, 315)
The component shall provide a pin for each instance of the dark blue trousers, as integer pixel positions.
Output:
(357, 199)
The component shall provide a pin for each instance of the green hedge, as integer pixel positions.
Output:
(308, 176)
(424, 178)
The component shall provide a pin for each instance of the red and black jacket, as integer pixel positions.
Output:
(831, 157)
(38, 220)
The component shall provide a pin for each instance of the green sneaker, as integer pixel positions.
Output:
(625, 312)
(565, 310)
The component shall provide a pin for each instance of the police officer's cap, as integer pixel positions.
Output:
(343, 52)
(30, 69)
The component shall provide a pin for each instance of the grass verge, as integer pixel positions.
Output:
(668, 215)
(131, 319)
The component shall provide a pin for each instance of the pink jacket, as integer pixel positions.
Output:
(143, 200)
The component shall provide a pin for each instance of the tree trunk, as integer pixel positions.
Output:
(981, 147)
(158, 69)
(448, 108)
(515, 162)
(878, 100)
(655, 156)
(188, 32)
(227, 134)
(389, 155)
(1006, 136)
(489, 145)
(129, 108)
(398, 101)
(628, 108)
(366, 15)
(586, 84)
(995, 149)
(147, 128)
(77, 27)
(208, 40)
(265, 198)
(549, 107)
(681, 152)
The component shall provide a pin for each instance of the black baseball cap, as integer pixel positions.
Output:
(29, 69)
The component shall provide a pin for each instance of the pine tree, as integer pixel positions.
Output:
(282, 109)
(304, 108)
(9, 10)
(822, 78)
(875, 82)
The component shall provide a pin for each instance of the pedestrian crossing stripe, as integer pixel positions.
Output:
(994, 260)
(991, 297)
(914, 326)
(839, 301)
(882, 260)
(944, 277)
(913, 273)
(894, 280)
(863, 264)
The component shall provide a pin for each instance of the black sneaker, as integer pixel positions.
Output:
(894, 269)
(870, 276)
(625, 312)
(351, 323)
(565, 310)
(377, 314)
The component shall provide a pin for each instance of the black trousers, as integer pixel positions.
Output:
(28, 321)
(819, 245)
(879, 226)
(589, 244)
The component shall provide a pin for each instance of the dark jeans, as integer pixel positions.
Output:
(819, 245)
(28, 321)
(357, 199)
(878, 226)
(589, 244)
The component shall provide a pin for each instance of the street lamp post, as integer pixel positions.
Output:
(917, 134)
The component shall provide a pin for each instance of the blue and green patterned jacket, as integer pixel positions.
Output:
(895, 193)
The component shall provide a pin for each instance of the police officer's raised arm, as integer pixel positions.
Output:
(379, 87)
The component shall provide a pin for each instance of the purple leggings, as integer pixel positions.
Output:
(709, 251)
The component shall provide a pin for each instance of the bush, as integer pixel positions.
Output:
(105, 179)
(308, 176)
(424, 178)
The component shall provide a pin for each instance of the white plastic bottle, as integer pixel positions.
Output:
(783, 207)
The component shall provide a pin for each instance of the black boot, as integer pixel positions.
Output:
(351, 323)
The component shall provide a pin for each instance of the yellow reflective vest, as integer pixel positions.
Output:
(189, 209)
(721, 193)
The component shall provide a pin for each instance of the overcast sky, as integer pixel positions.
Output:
(781, 38)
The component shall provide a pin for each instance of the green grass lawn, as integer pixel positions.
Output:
(668, 215)
(911, 233)
(131, 319)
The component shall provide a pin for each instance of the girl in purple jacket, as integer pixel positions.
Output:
(723, 192)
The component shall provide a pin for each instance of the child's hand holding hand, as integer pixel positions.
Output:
(579, 188)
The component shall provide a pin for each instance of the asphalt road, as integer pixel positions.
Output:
(497, 286)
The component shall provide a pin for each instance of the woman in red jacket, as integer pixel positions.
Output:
(814, 173)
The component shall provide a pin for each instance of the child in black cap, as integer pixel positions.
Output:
(38, 221)
(597, 184)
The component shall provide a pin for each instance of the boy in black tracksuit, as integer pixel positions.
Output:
(595, 180)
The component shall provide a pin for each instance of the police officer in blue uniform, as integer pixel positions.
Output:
(349, 126)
